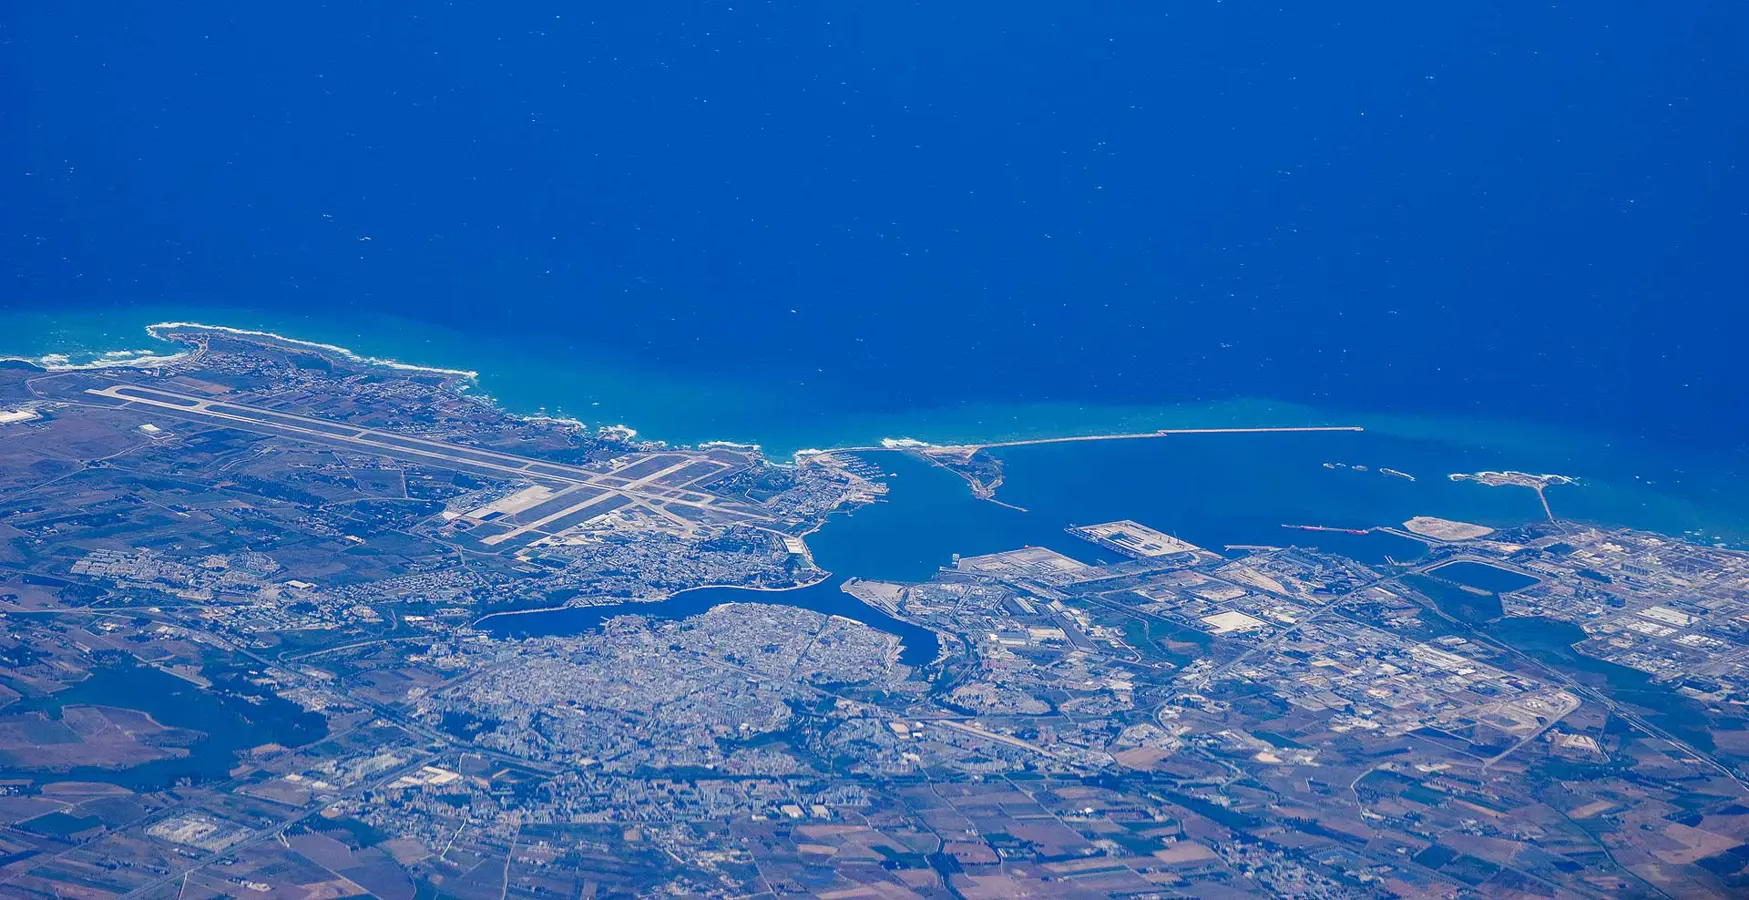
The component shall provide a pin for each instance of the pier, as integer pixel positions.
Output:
(1130, 436)
(1329, 528)
(1167, 432)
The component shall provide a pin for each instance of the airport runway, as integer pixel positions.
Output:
(638, 489)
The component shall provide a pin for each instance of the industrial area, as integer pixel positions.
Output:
(245, 651)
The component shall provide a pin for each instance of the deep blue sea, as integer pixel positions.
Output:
(1494, 233)
(1497, 209)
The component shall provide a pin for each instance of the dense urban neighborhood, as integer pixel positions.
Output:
(265, 631)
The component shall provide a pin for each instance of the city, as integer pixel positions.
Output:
(248, 610)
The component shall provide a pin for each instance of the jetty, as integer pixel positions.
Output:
(1129, 436)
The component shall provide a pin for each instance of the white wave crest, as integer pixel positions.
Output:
(114, 359)
(563, 421)
(160, 330)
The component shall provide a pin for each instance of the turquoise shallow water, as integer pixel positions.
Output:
(1623, 481)
(822, 225)
(1214, 490)
(545, 372)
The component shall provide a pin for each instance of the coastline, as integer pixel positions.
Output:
(469, 379)
(164, 330)
(63, 360)
(1680, 491)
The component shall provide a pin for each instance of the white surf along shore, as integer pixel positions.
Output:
(467, 381)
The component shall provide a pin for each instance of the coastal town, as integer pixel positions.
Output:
(252, 643)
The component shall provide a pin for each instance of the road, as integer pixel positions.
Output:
(279, 827)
